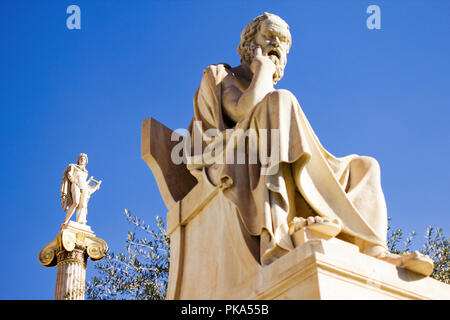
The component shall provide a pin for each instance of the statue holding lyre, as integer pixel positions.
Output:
(76, 191)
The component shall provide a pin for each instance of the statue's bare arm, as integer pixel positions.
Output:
(261, 84)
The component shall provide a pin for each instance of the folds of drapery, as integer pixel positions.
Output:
(347, 189)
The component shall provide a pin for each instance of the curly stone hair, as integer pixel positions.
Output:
(246, 46)
(82, 155)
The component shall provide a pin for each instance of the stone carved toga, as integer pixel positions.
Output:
(309, 181)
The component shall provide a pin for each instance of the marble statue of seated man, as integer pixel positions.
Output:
(299, 182)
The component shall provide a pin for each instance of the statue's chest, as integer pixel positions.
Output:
(232, 89)
(81, 174)
(233, 84)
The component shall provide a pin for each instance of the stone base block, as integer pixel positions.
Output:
(334, 269)
(211, 258)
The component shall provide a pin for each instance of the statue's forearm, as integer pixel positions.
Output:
(260, 86)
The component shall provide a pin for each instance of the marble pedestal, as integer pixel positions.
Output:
(335, 270)
(69, 251)
(212, 258)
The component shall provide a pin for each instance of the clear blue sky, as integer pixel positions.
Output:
(383, 93)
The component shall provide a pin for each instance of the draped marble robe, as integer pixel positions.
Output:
(347, 188)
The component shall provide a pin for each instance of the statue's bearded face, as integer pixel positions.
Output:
(271, 33)
(272, 38)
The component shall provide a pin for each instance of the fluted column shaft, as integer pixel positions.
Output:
(71, 275)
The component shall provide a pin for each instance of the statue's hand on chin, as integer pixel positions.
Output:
(262, 64)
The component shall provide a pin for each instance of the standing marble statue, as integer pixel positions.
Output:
(75, 241)
(76, 191)
(310, 184)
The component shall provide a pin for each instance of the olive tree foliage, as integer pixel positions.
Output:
(141, 273)
(436, 247)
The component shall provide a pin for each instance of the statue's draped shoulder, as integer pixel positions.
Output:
(207, 99)
(66, 197)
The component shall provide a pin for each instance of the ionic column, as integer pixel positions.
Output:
(71, 274)
(69, 251)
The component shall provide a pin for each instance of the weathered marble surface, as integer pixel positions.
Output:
(231, 223)
(210, 259)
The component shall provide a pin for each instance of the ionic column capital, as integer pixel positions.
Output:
(77, 240)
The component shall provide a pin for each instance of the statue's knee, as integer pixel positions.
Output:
(276, 102)
(366, 163)
(279, 99)
(281, 94)
(75, 203)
